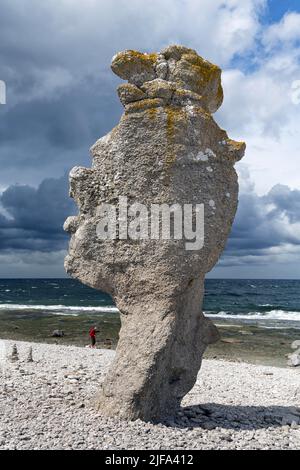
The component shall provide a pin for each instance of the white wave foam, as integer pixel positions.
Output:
(277, 315)
(264, 327)
(59, 308)
(271, 315)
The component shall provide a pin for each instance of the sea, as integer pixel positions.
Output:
(267, 303)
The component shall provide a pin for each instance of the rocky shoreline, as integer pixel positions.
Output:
(49, 404)
(238, 342)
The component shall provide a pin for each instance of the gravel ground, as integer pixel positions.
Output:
(48, 404)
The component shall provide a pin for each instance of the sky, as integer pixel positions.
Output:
(61, 97)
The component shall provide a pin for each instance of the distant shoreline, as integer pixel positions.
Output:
(258, 319)
(239, 342)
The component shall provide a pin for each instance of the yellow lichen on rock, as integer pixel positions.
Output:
(152, 112)
(174, 117)
(175, 51)
(235, 149)
(142, 105)
(129, 93)
(160, 76)
(130, 64)
(159, 88)
(200, 76)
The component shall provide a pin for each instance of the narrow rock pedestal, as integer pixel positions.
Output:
(166, 150)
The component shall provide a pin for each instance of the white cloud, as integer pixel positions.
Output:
(285, 31)
(262, 107)
(265, 240)
(76, 38)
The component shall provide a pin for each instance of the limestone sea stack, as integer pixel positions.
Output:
(167, 149)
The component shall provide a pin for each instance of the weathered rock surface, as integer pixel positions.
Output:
(168, 149)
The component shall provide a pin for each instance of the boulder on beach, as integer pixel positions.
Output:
(58, 334)
(294, 359)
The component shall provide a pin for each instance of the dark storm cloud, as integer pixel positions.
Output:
(60, 91)
(51, 136)
(285, 201)
(264, 224)
(35, 216)
(61, 97)
(55, 59)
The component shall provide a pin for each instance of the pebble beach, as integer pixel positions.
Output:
(50, 404)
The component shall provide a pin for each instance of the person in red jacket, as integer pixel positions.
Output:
(92, 334)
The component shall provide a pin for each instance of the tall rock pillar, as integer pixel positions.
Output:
(166, 150)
